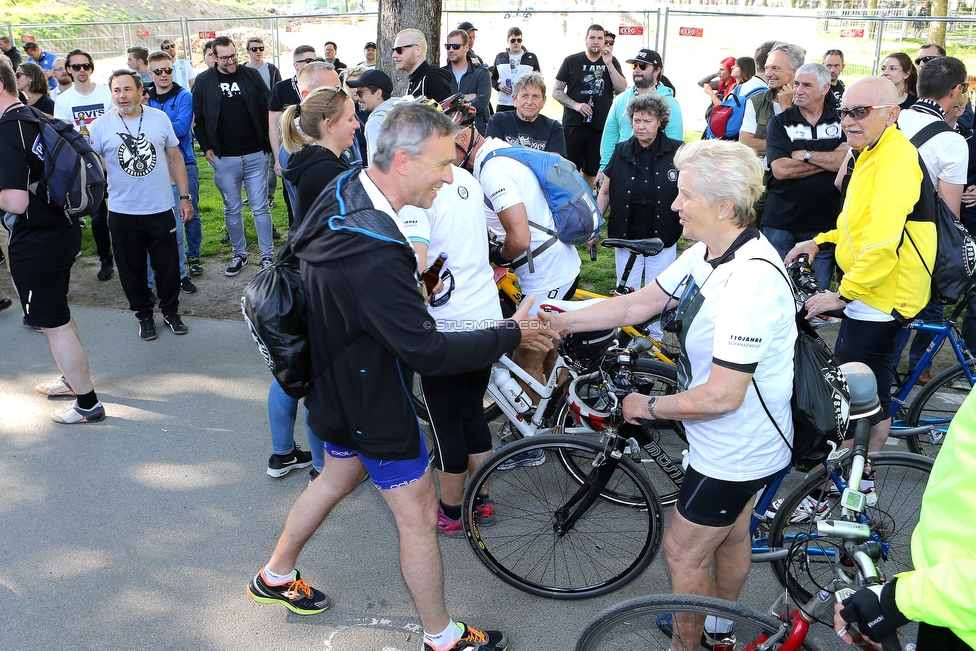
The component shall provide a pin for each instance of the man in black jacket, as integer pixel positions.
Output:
(410, 55)
(230, 105)
(474, 81)
(369, 331)
(509, 66)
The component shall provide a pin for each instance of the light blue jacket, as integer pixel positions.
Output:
(618, 129)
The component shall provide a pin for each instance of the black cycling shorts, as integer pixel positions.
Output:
(457, 415)
(873, 343)
(583, 147)
(716, 502)
(42, 282)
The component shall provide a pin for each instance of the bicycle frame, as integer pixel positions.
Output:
(532, 425)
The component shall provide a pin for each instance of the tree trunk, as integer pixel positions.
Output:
(395, 15)
(873, 26)
(937, 31)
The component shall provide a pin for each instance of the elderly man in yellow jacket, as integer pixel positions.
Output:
(885, 284)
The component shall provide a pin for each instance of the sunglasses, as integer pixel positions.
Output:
(858, 113)
(400, 48)
(162, 71)
(642, 66)
(169, 47)
(257, 48)
(80, 66)
(919, 61)
(514, 40)
(672, 318)
(21, 74)
(451, 46)
(306, 60)
(609, 41)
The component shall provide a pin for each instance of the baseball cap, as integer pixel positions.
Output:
(466, 26)
(370, 44)
(376, 78)
(648, 56)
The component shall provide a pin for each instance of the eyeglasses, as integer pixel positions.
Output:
(61, 69)
(162, 71)
(400, 48)
(858, 113)
(21, 74)
(306, 60)
(171, 46)
(226, 58)
(920, 60)
(514, 40)
(451, 46)
(80, 66)
(609, 41)
(642, 66)
(257, 48)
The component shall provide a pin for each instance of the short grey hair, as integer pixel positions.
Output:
(796, 53)
(531, 79)
(735, 164)
(652, 104)
(409, 126)
(821, 72)
(306, 74)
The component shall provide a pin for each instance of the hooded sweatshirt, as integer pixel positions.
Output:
(310, 170)
(369, 329)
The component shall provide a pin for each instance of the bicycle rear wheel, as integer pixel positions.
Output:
(607, 547)
(645, 623)
(936, 404)
(651, 378)
(900, 480)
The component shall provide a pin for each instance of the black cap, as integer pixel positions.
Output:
(466, 26)
(370, 44)
(648, 56)
(376, 78)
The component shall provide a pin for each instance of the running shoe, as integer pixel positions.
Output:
(147, 329)
(712, 641)
(809, 509)
(447, 527)
(187, 286)
(474, 640)
(265, 263)
(106, 270)
(484, 513)
(527, 459)
(194, 267)
(297, 596)
(58, 387)
(74, 414)
(175, 323)
(236, 265)
(280, 465)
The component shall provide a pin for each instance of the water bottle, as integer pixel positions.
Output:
(512, 390)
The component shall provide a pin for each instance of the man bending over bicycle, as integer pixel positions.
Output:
(940, 592)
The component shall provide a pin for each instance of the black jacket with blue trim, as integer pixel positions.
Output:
(369, 328)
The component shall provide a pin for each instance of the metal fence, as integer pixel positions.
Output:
(691, 40)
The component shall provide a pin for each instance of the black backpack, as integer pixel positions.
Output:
(955, 257)
(74, 179)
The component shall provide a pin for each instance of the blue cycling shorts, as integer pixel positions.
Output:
(386, 475)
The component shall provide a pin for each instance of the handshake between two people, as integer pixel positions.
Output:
(537, 334)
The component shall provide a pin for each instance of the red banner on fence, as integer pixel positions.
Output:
(26, 39)
(206, 35)
(852, 32)
(690, 31)
(630, 30)
(142, 32)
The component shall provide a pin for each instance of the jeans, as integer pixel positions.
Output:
(283, 157)
(272, 178)
(930, 312)
(249, 171)
(282, 412)
(193, 228)
(783, 241)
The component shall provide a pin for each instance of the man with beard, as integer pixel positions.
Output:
(474, 81)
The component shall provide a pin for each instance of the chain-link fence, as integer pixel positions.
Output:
(692, 41)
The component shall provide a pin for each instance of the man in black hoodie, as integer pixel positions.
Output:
(369, 331)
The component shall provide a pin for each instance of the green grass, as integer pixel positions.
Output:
(212, 220)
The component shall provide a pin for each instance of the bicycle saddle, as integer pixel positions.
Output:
(555, 306)
(650, 246)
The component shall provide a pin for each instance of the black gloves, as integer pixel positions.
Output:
(495, 256)
(874, 611)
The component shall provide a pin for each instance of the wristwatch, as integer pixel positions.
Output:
(807, 156)
(185, 196)
(650, 406)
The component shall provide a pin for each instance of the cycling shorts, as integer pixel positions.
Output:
(716, 502)
(386, 475)
(870, 342)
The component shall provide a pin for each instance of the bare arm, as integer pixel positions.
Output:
(787, 168)
(618, 81)
(842, 170)
(721, 394)
(951, 193)
(638, 307)
(750, 140)
(177, 171)
(275, 137)
(603, 198)
(515, 221)
(559, 94)
(14, 201)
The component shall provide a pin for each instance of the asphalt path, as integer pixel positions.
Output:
(141, 532)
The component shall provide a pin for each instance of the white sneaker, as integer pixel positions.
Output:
(809, 509)
(58, 387)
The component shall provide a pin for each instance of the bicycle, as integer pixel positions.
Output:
(656, 621)
(923, 422)
(520, 547)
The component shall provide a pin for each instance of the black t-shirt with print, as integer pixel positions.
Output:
(42, 228)
(543, 133)
(587, 79)
(234, 127)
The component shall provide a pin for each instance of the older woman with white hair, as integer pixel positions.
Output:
(728, 299)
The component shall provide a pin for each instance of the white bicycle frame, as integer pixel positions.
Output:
(529, 423)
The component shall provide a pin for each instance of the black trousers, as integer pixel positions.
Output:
(100, 232)
(135, 236)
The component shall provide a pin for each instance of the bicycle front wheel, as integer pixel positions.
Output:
(892, 513)
(646, 623)
(936, 404)
(531, 547)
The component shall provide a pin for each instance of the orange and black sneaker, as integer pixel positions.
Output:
(297, 595)
(474, 640)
